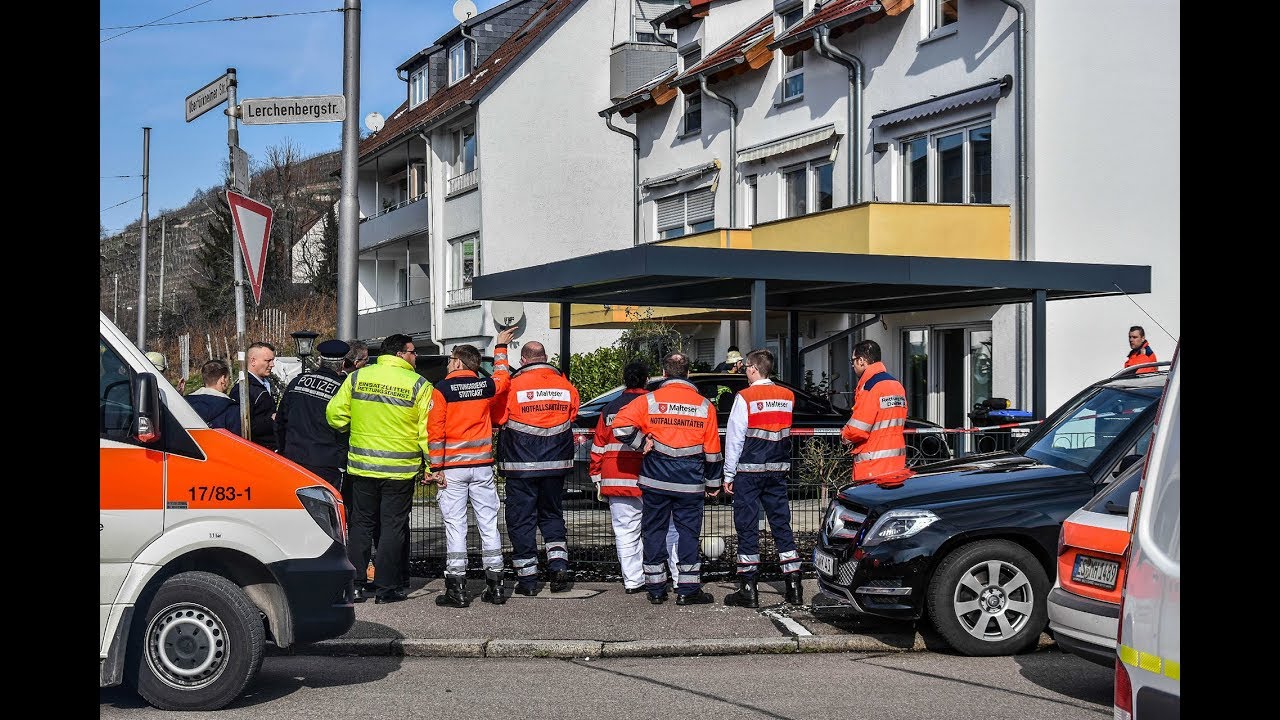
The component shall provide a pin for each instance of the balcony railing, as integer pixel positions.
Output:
(461, 296)
(465, 181)
(404, 219)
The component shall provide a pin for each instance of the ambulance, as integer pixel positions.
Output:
(209, 546)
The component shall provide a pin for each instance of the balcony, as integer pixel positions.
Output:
(411, 318)
(407, 218)
(462, 183)
(459, 298)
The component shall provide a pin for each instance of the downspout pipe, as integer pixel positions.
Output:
(733, 147)
(658, 34)
(635, 173)
(1020, 149)
(822, 41)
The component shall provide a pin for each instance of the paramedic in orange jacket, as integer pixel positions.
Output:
(460, 432)
(676, 428)
(879, 416)
(1139, 351)
(536, 451)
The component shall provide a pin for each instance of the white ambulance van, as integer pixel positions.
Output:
(209, 545)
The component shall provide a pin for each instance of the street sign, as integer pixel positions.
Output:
(252, 221)
(239, 170)
(309, 108)
(208, 97)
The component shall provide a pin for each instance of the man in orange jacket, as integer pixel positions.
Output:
(879, 416)
(536, 450)
(676, 428)
(1139, 351)
(460, 432)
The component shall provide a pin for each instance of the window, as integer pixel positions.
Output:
(689, 58)
(459, 61)
(648, 37)
(950, 166)
(692, 122)
(466, 263)
(418, 86)
(465, 147)
(686, 213)
(944, 13)
(808, 188)
(751, 201)
(115, 394)
(792, 65)
(643, 12)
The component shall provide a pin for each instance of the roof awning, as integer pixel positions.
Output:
(787, 144)
(672, 178)
(933, 106)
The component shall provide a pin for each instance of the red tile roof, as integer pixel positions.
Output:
(403, 121)
(833, 10)
(758, 33)
(680, 16)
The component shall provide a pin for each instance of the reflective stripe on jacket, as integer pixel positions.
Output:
(1140, 356)
(385, 405)
(876, 427)
(537, 423)
(764, 421)
(463, 407)
(686, 456)
(615, 466)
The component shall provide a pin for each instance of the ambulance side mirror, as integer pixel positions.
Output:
(146, 401)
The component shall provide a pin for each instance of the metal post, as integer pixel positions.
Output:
(160, 295)
(757, 314)
(115, 313)
(142, 249)
(1039, 374)
(793, 347)
(233, 142)
(566, 323)
(349, 202)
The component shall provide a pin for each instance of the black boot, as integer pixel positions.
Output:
(560, 581)
(493, 593)
(745, 596)
(795, 592)
(455, 593)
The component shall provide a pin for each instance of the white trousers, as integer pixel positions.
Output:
(625, 512)
(474, 484)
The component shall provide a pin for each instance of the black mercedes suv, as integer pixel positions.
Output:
(972, 541)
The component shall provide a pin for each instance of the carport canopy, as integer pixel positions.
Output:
(817, 282)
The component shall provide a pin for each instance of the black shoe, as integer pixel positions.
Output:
(747, 595)
(526, 590)
(560, 581)
(657, 599)
(795, 591)
(493, 593)
(359, 596)
(391, 596)
(634, 590)
(455, 593)
(702, 597)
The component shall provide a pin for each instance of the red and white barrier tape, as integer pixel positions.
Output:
(801, 431)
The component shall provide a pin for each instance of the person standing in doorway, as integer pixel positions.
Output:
(1140, 351)
(262, 394)
(875, 430)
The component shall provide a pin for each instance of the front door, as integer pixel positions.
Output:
(946, 370)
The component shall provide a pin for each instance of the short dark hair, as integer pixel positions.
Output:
(395, 343)
(635, 374)
(468, 355)
(213, 370)
(358, 351)
(676, 365)
(868, 350)
(1141, 332)
(761, 360)
(262, 344)
(733, 348)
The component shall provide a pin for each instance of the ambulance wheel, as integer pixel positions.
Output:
(196, 645)
(988, 598)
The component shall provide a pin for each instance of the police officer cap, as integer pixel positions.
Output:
(334, 349)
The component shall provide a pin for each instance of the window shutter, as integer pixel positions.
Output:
(705, 350)
(647, 10)
(671, 212)
(702, 205)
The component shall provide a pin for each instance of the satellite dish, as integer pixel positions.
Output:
(463, 10)
(374, 122)
(507, 313)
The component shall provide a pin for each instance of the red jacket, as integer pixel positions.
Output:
(875, 428)
(686, 456)
(615, 466)
(463, 408)
(537, 423)
(1142, 355)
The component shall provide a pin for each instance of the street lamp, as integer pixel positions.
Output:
(304, 340)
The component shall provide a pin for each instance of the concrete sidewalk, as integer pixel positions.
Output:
(596, 619)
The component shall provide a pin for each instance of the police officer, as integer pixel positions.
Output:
(757, 459)
(675, 427)
(302, 433)
(536, 451)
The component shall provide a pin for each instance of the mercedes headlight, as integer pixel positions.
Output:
(897, 524)
(323, 508)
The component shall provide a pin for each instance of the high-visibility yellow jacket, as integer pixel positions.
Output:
(385, 408)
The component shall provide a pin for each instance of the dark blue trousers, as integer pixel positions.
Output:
(536, 504)
(658, 511)
(750, 491)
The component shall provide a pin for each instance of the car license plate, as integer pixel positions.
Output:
(1096, 571)
(824, 562)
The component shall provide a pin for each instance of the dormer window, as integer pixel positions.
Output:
(459, 61)
(418, 86)
(792, 65)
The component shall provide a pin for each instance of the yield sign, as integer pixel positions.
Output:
(253, 231)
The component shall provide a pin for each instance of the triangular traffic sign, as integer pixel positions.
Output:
(253, 232)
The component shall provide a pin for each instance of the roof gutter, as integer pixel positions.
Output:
(853, 123)
(733, 146)
(713, 69)
(607, 114)
(428, 126)
(654, 23)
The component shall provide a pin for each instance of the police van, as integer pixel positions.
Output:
(209, 545)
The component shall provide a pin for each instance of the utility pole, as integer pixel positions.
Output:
(160, 295)
(115, 313)
(233, 142)
(142, 250)
(349, 202)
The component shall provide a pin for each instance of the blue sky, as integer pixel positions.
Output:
(146, 74)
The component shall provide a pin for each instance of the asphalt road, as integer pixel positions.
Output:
(1047, 685)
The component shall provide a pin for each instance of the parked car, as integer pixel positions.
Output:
(811, 411)
(972, 541)
(1148, 661)
(1084, 604)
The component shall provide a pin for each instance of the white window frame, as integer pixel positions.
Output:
(690, 100)
(933, 22)
(459, 285)
(459, 145)
(685, 227)
(418, 85)
(459, 66)
(750, 200)
(790, 66)
(933, 173)
(810, 168)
